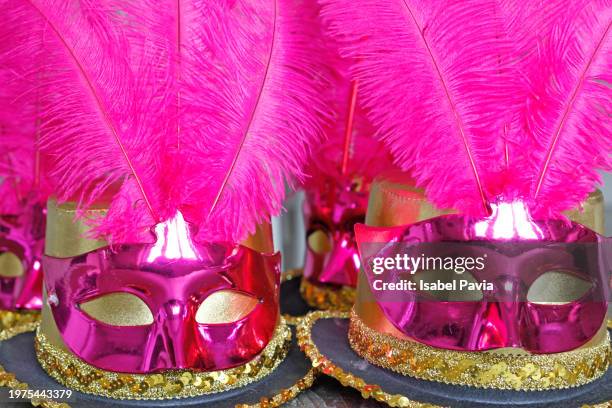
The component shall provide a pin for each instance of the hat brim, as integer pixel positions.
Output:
(17, 357)
(324, 336)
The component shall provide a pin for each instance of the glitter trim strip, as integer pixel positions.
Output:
(13, 323)
(327, 297)
(536, 372)
(75, 374)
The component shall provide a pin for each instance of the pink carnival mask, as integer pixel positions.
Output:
(176, 281)
(331, 213)
(521, 275)
(21, 248)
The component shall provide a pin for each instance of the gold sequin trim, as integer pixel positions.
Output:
(327, 297)
(480, 369)
(286, 394)
(292, 320)
(324, 365)
(75, 374)
(13, 323)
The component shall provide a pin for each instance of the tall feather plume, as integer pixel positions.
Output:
(182, 33)
(22, 182)
(16, 148)
(94, 110)
(350, 148)
(167, 32)
(566, 118)
(527, 25)
(211, 106)
(259, 118)
(434, 79)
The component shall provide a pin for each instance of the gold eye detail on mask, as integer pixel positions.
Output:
(319, 242)
(557, 287)
(10, 265)
(119, 309)
(225, 306)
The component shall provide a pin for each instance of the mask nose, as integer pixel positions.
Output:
(342, 263)
(167, 343)
(500, 315)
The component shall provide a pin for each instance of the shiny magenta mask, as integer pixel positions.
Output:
(331, 213)
(21, 247)
(515, 252)
(172, 277)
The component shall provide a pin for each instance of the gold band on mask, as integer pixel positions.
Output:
(590, 213)
(69, 235)
(74, 373)
(482, 369)
(394, 200)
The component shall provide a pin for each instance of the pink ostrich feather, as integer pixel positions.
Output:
(95, 112)
(433, 77)
(244, 109)
(21, 178)
(260, 116)
(200, 107)
(21, 175)
(17, 152)
(350, 148)
(566, 118)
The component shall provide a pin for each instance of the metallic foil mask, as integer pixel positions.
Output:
(173, 304)
(546, 281)
(21, 249)
(331, 213)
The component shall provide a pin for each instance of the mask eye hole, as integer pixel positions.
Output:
(319, 242)
(225, 306)
(467, 294)
(10, 265)
(557, 288)
(118, 309)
